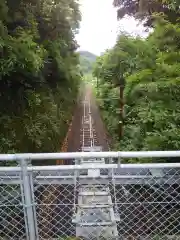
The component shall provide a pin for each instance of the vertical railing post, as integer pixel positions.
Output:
(33, 203)
(31, 233)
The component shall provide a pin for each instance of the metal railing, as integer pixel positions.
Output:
(41, 202)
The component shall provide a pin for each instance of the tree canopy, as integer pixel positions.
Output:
(145, 9)
(39, 74)
(149, 71)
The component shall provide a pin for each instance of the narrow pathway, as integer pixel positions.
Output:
(75, 140)
(94, 214)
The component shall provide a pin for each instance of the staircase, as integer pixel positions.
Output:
(94, 212)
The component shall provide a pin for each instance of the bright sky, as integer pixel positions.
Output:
(99, 26)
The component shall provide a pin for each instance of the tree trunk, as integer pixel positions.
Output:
(121, 112)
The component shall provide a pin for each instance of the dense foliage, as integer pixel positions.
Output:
(145, 10)
(39, 73)
(148, 71)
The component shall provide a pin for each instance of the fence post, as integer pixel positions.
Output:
(31, 230)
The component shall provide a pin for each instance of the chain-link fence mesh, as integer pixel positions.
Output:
(124, 203)
(150, 208)
(12, 224)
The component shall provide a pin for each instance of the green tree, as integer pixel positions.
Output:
(145, 10)
(39, 75)
(151, 95)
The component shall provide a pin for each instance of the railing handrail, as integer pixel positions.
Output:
(76, 155)
(93, 166)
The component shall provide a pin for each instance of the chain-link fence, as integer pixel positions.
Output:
(102, 201)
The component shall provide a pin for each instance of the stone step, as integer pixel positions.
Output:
(93, 193)
(94, 224)
(91, 206)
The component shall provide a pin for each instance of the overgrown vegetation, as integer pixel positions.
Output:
(39, 73)
(148, 72)
(147, 10)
